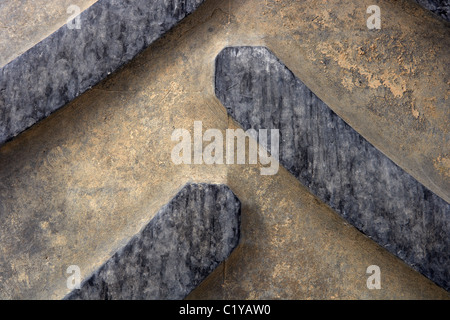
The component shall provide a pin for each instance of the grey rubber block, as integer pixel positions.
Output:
(336, 163)
(70, 61)
(438, 7)
(186, 240)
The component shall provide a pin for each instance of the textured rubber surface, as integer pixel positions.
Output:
(70, 61)
(335, 162)
(77, 187)
(438, 7)
(186, 240)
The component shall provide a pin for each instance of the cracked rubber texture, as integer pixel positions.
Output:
(186, 240)
(70, 61)
(336, 163)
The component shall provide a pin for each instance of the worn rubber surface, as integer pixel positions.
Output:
(185, 241)
(334, 162)
(76, 187)
(70, 61)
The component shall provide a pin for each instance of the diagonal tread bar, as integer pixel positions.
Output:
(70, 61)
(335, 162)
(186, 240)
